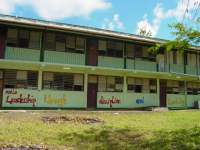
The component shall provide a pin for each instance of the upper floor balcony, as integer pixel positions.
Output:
(73, 49)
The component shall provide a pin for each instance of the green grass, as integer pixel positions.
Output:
(126, 130)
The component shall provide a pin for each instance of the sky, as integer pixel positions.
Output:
(118, 15)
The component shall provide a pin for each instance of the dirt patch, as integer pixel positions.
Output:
(21, 147)
(62, 119)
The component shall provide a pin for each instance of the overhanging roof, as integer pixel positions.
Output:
(78, 28)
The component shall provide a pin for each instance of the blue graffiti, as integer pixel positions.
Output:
(140, 100)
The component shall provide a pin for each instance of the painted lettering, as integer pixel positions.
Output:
(175, 102)
(21, 100)
(140, 101)
(111, 101)
(11, 91)
(48, 99)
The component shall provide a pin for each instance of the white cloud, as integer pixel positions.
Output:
(57, 9)
(160, 14)
(113, 24)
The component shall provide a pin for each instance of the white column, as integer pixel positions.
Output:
(40, 79)
(158, 91)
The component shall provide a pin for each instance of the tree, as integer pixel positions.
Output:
(185, 38)
(144, 32)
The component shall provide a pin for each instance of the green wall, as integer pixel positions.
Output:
(44, 98)
(176, 101)
(129, 100)
(191, 99)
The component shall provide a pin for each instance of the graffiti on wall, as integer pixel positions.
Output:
(50, 100)
(109, 101)
(139, 100)
(175, 102)
(15, 97)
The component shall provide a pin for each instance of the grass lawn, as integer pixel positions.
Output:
(118, 130)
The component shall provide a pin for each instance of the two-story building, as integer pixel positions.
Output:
(53, 65)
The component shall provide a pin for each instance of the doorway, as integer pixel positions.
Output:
(163, 93)
(92, 53)
(92, 92)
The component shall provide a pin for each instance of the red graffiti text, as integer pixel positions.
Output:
(113, 100)
(21, 100)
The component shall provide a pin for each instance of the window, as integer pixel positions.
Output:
(21, 79)
(175, 87)
(63, 81)
(110, 84)
(80, 43)
(141, 85)
(1, 74)
(23, 40)
(193, 88)
(70, 42)
(34, 42)
(110, 48)
(12, 37)
(102, 47)
(175, 57)
(50, 41)
(130, 50)
(60, 42)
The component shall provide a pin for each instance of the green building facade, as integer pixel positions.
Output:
(52, 65)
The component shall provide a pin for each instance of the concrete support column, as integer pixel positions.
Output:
(158, 91)
(185, 92)
(125, 88)
(40, 79)
(85, 87)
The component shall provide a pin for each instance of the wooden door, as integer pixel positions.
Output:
(163, 93)
(92, 53)
(92, 95)
(92, 92)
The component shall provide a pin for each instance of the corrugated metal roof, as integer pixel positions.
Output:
(79, 28)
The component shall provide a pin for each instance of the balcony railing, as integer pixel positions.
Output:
(22, 54)
(64, 58)
(191, 69)
(104, 61)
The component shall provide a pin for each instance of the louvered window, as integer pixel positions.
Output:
(34, 42)
(63, 81)
(193, 88)
(12, 36)
(175, 87)
(110, 84)
(141, 85)
(50, 41)
(21, 79)
(23, 38)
